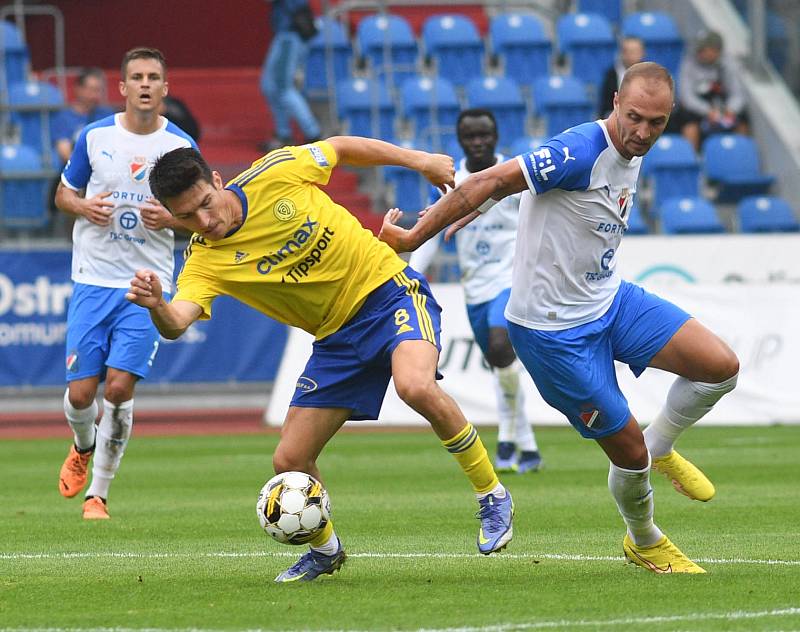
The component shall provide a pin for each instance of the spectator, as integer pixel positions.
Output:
(292, 25)
(87, 107)
(631, 51)
(176, 111)
(711, 96)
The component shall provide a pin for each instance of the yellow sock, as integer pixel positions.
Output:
(323, 536)
(468, 450)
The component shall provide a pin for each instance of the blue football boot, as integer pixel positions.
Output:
(506, 459)
(312, 565)
(496, 516)
(529, 462)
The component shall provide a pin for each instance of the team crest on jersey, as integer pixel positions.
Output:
(138, 169)
(589, 415)
(72, 361)
(284, 209)
(622, 201)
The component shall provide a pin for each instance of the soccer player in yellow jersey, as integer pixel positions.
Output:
(274, 240)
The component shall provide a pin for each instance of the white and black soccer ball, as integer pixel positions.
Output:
(293, 507)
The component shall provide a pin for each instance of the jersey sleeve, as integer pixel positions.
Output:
(78, 170)
(194, 286)
(314, 162)
(564, 162)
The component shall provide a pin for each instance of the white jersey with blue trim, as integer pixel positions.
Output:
(485, 246)
(572, 220)
(108, 157)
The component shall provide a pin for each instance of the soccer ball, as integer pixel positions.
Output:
(293, 507)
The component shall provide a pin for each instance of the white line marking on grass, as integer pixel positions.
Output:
(737, 615)
(454, 556)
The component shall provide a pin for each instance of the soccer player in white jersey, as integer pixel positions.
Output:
(485, 256)
(119, 228)
(571, 315)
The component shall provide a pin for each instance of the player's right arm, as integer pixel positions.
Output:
(97, 209)
(473, 196)
(171, 319)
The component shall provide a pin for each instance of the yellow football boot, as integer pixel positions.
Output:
(661, 557)
(685, 477)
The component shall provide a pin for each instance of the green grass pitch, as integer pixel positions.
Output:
(184, 550)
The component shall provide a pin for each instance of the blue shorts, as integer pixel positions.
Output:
(574, 368)
(104, 329)
(351, 367)
(485, 316)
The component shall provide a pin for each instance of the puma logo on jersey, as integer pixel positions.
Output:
(567, 156)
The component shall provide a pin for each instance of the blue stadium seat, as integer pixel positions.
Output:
(24, 188)
(609, 9)
(410, 188)
(519, 40)
(588, 40)
(431, 104)
(562, 101)
(765, 214)
(388, 42)
(367, 108)
(524, 144)
(636, 223)
(689, 215)
(778, 45)
(673, 167)
(41, 101)
(731, 161)
(503, 97)
(453, 43)
(659, 32)
(15, 53)
(331, 34)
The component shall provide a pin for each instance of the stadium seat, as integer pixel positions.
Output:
(689, 215)
(588, 40)
(453, 44)
(524, 144)
(765, 214)
(15, 53)
(25, 188)
(673, 167)
(367, 108)
(503, 97)
(609, 9)
(519, 40)
(39, 102)
(388, 43)
(562, 101)
(659, 32)
(431, 104)
(636, 223)
(331, 34)
(731, 162)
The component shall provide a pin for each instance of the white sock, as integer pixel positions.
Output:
(82, 422)
(506, 393)
(634, 497)
(523, 431)
(113, 433)
(686, 403)
(330, 547)
(498, 491)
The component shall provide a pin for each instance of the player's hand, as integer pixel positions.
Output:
(145, 289)
(155, 216)
(391, 233)
(459, 224)
(98, 209)
(439, 171)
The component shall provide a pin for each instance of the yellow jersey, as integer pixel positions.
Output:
(297, 256)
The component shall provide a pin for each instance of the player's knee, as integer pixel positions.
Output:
(286, 459)
(81, 398)
(117, 393)
(726, 367)
(415, 393)
(500, 356)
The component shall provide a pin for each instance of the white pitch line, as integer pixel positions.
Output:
(455, 556)
(736, 615)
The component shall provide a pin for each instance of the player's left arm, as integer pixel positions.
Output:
(468, 200)
(356, 151)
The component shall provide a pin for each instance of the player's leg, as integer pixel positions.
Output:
(504, 387)
(86, 350)
(414, 372)
(653, 332)
(304, 434)
(500, 354)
